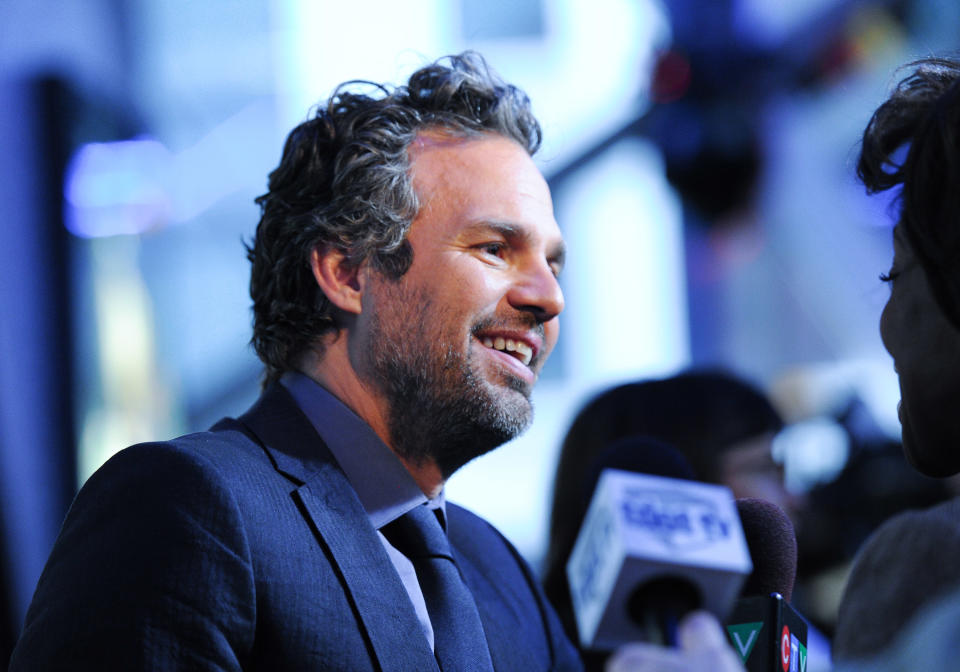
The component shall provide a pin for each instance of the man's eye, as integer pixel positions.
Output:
(495, 249)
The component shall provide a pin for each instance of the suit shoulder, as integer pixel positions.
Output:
(465, 524)
(478, 539)
(222, 449)
(155, 555)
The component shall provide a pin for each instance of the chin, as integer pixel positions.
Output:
(509, 391)
(934, 454)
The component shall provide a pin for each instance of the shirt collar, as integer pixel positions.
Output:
(384, 486)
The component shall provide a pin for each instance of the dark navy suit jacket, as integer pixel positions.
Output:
(245, 547)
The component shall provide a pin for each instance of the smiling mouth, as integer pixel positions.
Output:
(518, 349)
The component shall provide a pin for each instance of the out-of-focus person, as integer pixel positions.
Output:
(723, 425)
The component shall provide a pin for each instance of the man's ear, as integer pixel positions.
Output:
(339, 281)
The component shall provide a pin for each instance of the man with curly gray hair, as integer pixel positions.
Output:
(344, 180)
(405, 298)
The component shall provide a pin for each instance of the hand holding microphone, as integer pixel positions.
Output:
(655, 550)
(652, 549)
(702, 647)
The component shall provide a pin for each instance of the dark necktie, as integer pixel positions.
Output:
(459, 642)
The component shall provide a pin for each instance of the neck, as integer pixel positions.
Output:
(427, 476)
(333, 371)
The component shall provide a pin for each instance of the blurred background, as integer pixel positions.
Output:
(701, 155)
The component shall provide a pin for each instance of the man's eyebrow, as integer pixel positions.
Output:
(505, 229)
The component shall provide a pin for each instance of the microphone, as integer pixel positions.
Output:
(770, 538)
(764, 628)
(652, 548)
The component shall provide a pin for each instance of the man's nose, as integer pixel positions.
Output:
(537, 291)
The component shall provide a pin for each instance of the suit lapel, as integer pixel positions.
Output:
(368, 576)
(333, 510)
(499, 626)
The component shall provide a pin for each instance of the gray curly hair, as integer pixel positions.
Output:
(343, 181)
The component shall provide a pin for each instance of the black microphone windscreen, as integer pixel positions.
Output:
(773, 548)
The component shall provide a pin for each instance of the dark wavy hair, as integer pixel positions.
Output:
(923, 114)
(343, 181)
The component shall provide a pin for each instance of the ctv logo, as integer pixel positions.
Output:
(793, 654)
(678, 520)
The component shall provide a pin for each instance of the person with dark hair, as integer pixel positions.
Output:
(920, 324)
(720, 423)
(920, 328)
(405, 297)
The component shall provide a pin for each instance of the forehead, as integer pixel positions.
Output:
(486, 178)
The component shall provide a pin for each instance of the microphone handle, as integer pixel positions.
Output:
(768, 634)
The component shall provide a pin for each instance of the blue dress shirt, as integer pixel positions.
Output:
(384, 486)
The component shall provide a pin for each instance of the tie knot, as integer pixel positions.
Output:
(418, 534)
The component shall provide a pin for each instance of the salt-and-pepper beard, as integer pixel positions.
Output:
(439, 408)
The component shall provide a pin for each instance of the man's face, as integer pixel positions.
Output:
(456, 344)
(925, 348)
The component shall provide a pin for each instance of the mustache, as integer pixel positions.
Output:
(522, 322)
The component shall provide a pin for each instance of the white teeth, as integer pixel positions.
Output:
(524, 352)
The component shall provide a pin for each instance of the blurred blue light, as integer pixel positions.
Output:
(117, 188)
